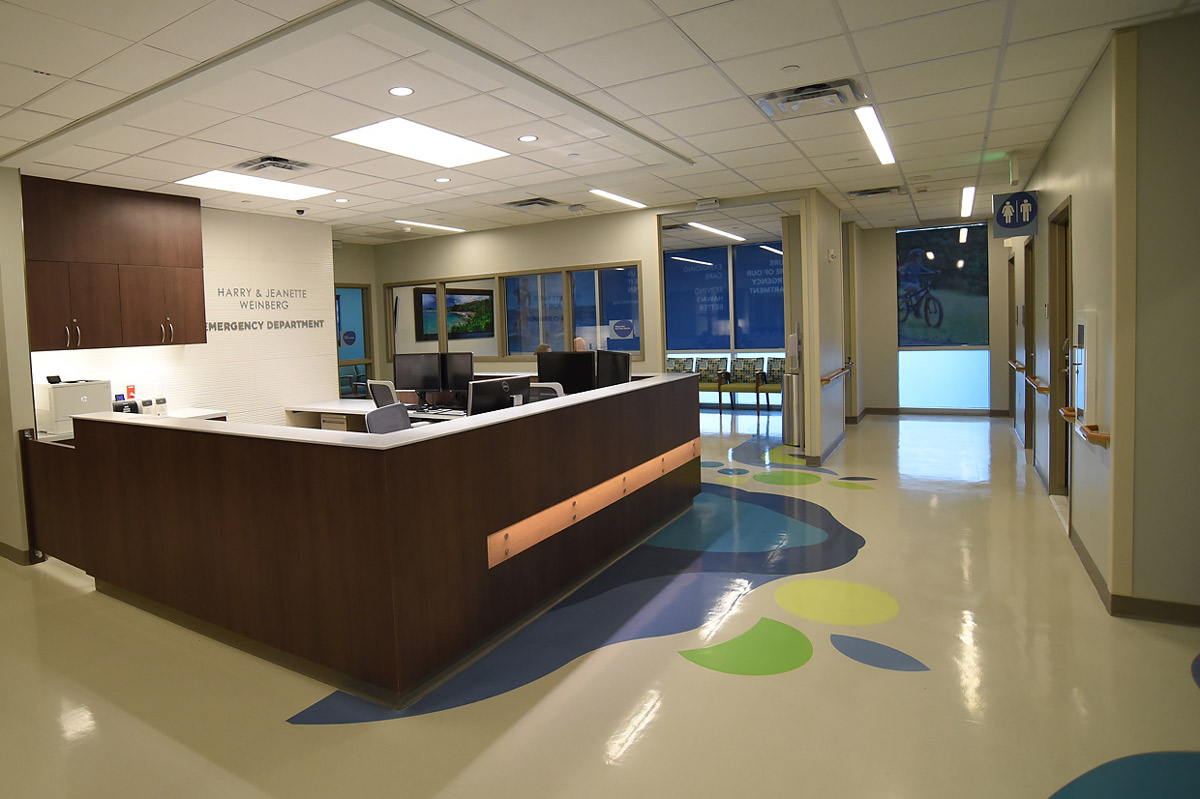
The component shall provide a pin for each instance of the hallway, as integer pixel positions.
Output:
(917, 626)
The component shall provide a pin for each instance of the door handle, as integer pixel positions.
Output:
(68, 332)
(78, 337)
(172, 332)
(163, 339)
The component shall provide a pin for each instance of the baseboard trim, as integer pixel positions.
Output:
(995, 414)
(857, 419)
(881, 411)
(21, 557)
(1041, 473)
(1089, 565)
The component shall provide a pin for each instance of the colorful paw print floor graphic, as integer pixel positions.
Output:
(775, 463)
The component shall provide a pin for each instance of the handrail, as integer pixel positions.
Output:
(845, 370)
(1037, 384)
(1020, 367)
(1092, 435)
(1069, 414)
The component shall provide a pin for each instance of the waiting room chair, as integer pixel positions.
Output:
(742, 377)
(388, 419)
(382, 392)
(678, 365)
(712, 375)
(771, 381)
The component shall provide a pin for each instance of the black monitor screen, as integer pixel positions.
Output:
(574, 371)
(458, 370)
(496, 394)
(418, 371)
(612, 368)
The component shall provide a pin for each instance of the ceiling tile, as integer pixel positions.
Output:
(456, 71)
(48, 171)
(1016, 137)
(549, 135)
(137, 67)
(81, 158)
(392, 167)
(936, 106)
(831, 123)
(724, 115)
(138, 167)
(1019, 116)
(572, 155)
(29, 125)
(321, 113)
(74, 99)
(129, 19)
(832, 145)
(387, 40)
(935, 77)
(962, 30)
(118, 181)
(739, 139)
(1054, 53)
(181, 118)
(516, 98)
(555, 74)
(19, 85)
(254, 134)
(1035, 18)
(814, 62)
(648, 127)
(960, 144)
(329, 152)
(605, 167)
(389, 190)
(607, 104)
(335, 59)
(249, 92)
(124, 139)
(741, 27)
(650, 50)
(937, 129)
(218, 26)
(286, 9)
(472, 115)
(691, 87)
(468, 26)
(772, 153)
(796, 165)
(707, 179)
(853, 159)
(371, 88)
(572, 21)
(337, 179)
(37, 41)
(536, 178)
(195, 152)
(788, 182)
(1038, 88)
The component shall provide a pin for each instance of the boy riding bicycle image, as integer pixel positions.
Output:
(911, 272)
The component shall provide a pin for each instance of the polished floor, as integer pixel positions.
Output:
(943, 641)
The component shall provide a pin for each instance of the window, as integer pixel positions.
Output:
(606, 311)
(758, 297)
(534, 307)
(352, 309)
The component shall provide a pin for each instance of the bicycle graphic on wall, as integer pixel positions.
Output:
(920, 303)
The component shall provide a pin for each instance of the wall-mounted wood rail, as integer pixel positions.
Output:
(1092, 435)
(827, 379)
(1017, 365)
(1037, 384)
(1068, 413)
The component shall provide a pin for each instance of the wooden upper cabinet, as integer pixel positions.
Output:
(48, 293)
(162, 305)
(73, 305)
(183, 291)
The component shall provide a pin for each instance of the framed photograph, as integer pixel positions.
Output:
(469, 313)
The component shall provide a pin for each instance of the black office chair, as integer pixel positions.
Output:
(382, 392)
(388, 419)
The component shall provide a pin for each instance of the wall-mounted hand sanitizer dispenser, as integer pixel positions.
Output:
(1083, 367)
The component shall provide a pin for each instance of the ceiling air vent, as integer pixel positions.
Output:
(541, 202)
(879, 192)
(673, 227)
(272, 162)
(815, 99)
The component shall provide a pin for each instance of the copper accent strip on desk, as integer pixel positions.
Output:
(529, 532)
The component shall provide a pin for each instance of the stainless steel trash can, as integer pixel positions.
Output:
(793, 410)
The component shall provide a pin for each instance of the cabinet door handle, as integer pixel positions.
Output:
(162, 340)
(78, 337)
(172, 332)
(68, 332)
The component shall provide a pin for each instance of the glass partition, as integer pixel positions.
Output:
(606, 308)
(533, 306)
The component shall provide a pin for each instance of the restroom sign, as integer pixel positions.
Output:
(1014, 214)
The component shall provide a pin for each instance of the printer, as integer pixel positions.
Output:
(56, 403)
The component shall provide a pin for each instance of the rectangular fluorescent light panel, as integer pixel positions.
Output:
(714, 230)
(248, 184)
(421, 143)
(432, 227)
(870, 125)
(617, 198)
(968, 202)
(770, 249)
(691, 260)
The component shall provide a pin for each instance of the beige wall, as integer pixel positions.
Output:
(998, 324)
(878, 374)
(16, 394)
(851, 244)
(355, 263)
(1166, 507)
(826, 320)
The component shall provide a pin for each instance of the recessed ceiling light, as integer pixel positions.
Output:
(617, 198)
(929, 255)
(968, 201)
(960, 263)
(870, 125)
(434, 227)
(962, 235)
(770, 249)
(341, 200)
(400, 91)
(421, 143)
(691, 260)
(714, 230)
(248, 184)
(528, 138)
(441, 180)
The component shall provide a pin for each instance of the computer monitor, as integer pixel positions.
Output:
(458, 370)
(418, 371)
(574, 371)
(496, 394)
(612, 368)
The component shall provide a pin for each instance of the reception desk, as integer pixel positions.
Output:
(381, 559)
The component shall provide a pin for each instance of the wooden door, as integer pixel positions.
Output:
(48, 290)
(143, 309)
(95, 305)
(184, 297)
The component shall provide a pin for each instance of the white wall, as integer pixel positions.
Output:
(355, 263)
(16, 396)
(878, 337)
(1166, 505)
(827, 319)
(252, 374)
(851, 245)
(998, 324)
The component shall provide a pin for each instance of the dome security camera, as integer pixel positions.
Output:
(300, 211)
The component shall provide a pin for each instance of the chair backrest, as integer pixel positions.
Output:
(710, 369)
(388, 419)
(775, 370)
(544, 391)
(382, 391)
(680, 364)
(743, 370)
